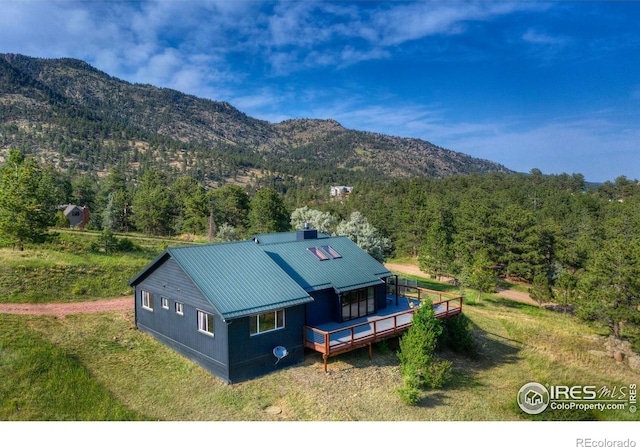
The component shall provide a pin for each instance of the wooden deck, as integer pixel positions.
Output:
(332, 339)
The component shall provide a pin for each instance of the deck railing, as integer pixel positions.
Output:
(422, 293)
(348, 338)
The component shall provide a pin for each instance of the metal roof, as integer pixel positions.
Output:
(353, 270)
(237, 278)
(246, 278)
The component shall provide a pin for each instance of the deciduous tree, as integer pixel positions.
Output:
(359, 230)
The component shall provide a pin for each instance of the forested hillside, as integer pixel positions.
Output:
(567, 242)
(83, 120)
(159, 162)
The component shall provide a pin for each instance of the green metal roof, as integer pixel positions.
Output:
(246, 278)
(353, 270)
(237, 278)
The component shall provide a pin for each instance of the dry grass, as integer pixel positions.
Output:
(517, 344)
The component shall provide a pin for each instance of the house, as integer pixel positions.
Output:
(340, 191)
(78, 215)
(244, 309)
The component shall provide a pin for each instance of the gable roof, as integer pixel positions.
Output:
(354, 269)
(237, 278)
(245, 278)
(70, 208)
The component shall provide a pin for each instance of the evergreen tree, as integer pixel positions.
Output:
(609, 290)
(419, 365)
(153, 205)
(109, 215)
(26, 210)
(481, 275)
(267, 213)
(231, 204)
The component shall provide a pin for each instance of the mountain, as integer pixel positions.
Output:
(69, 113)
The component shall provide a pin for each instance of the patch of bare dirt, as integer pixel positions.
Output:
(61, 310)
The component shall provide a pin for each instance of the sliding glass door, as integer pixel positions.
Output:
(358, 303)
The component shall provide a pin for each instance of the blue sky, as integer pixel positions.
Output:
(549, 85)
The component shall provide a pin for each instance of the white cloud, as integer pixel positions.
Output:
(421, 19)
(537, 37)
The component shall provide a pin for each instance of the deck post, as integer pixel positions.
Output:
(370, 351)
(324, 359)
(397, 288)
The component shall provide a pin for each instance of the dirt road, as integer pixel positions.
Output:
(61, 310)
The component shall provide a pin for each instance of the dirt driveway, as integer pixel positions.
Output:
(61, 310)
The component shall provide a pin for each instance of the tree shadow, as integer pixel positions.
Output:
(491, 350)
(433, 400)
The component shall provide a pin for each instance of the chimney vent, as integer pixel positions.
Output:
(306, 233)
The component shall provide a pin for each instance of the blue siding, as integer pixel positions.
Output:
(240, 279)
(381, 297)
(181, 331)
(324, 308)
(326, 305)
(252, 355)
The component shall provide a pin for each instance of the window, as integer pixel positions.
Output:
(331, 252)
(179, 308)
(147, 300)
(317, 253)
(165, 302)
(269, 321)
(205, 322)
(358, 303)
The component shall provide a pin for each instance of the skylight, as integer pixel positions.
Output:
(331, 252)
(317, 253)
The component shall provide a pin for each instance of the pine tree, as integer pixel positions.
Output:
(26, 210)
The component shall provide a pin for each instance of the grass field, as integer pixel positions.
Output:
(122, 374)
(67, 269)
(100, 367)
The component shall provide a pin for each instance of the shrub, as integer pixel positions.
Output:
(419, 365)
(109, 243)
(409, 395)
(61, 221)
(126, 244)
(456, 335)
(437, 373)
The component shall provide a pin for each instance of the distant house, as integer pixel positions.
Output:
(78, 216)
(340, 191)
(244, 309)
